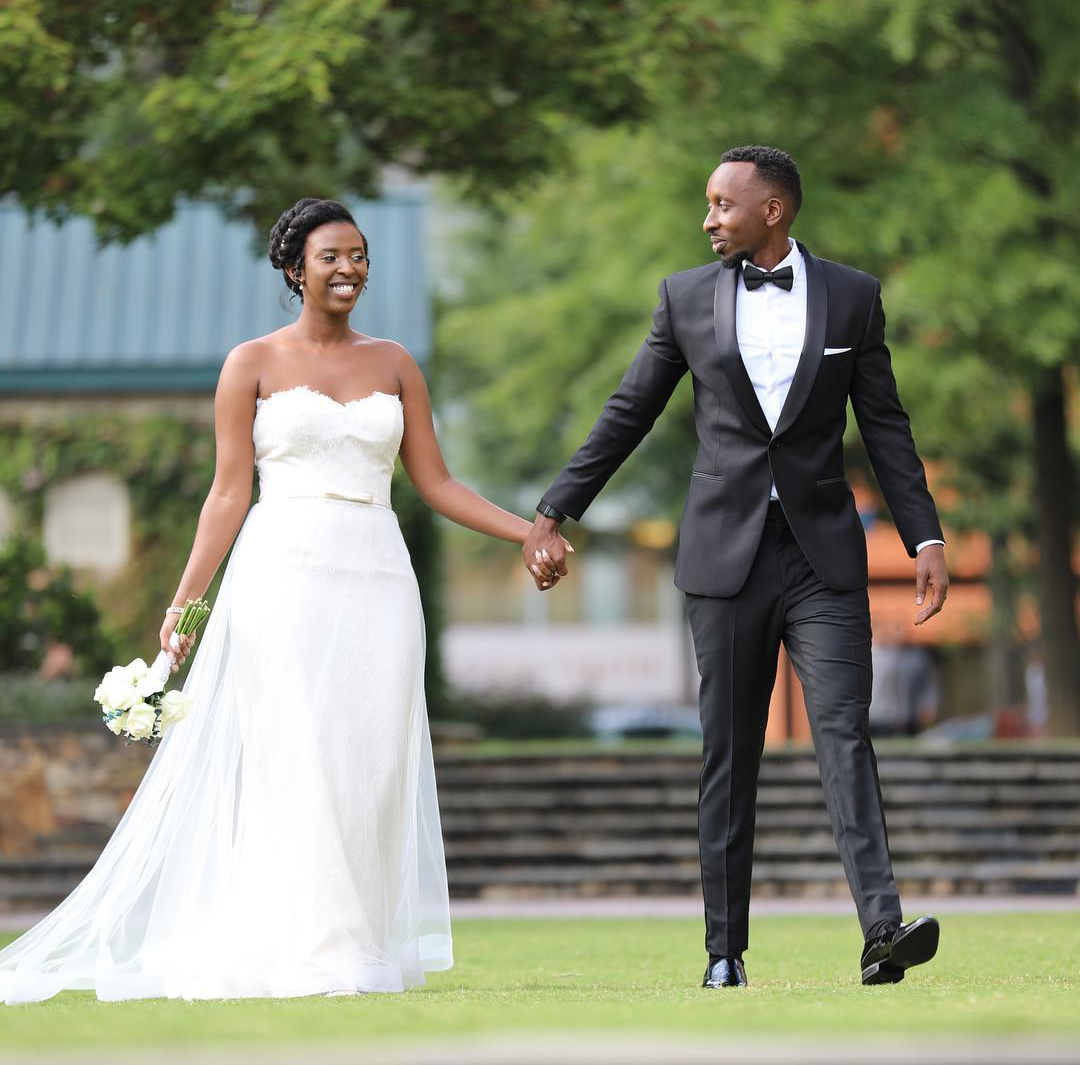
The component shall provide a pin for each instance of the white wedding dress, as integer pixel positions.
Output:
(285, 839)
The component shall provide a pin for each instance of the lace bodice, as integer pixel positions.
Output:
(308, 443)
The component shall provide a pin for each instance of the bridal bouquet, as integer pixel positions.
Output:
(133, 699)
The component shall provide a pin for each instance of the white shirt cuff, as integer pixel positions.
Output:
(927, 543)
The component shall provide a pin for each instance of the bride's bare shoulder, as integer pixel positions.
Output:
(393, 359)
(389, 352)
(244, 367)
(253, 359)
(257, 348)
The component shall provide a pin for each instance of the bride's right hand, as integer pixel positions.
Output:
(186, 642)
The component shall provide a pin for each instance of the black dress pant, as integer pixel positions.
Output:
(737, 642)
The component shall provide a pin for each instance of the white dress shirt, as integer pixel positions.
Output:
(770, 325)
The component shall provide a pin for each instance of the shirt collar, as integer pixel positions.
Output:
(793, 259)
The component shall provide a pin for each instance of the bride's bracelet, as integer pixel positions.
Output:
(174, 610)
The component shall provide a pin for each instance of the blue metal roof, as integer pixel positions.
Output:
(161, 313)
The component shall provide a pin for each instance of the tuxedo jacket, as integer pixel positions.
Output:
(738, 456)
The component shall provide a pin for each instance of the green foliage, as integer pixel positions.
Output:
(123, 107)
(26, 698)
(937, 146)
(559, 290)
(40, 604)
(167, 464)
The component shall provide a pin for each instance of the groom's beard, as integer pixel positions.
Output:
(730, 262)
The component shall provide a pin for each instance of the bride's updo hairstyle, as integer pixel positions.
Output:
(291, 229)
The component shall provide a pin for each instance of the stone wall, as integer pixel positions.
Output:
(64, 787)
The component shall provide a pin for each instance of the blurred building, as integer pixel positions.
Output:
(614, 630)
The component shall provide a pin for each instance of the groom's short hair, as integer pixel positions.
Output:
(774, 167)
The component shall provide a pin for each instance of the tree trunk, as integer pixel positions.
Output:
(1057, 582)
(1004, 668)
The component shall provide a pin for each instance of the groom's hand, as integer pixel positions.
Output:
(544, 552)
(931, 577)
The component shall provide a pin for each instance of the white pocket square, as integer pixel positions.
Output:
(836, 351)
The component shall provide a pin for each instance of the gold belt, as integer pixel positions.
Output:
(358, 497)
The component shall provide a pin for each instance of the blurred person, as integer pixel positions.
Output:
(285, 839)
(771, 548)
(1036, 697)
(905, 696)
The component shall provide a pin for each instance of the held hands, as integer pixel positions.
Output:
(544, 552)
(930, 575)
(176, 654)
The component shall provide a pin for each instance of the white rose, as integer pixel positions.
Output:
(117, 690)
(116, 723)
(143, 679)
(175, 705)
(140, 721)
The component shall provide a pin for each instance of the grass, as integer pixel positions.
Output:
(999, 973)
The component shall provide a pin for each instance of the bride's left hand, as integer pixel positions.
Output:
(186, 642)
(545, 569)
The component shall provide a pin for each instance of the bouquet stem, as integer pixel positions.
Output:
(195, 613)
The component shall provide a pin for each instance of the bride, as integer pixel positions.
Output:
(285, 839)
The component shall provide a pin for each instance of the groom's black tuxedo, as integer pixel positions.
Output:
(738, 456)
(758, 573)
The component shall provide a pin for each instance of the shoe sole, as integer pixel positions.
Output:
(916, 947)
(882, 973)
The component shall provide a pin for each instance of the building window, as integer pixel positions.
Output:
(88, 523)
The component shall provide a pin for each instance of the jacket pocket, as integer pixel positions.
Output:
(832, 480)
(708, 476)
(839, 361)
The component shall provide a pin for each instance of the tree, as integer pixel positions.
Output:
(118, 108)
(937, 146)
(559, 290)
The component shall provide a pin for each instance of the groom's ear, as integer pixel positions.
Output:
(776, 211)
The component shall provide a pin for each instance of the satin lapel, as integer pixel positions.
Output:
(813, 349)
(727, 344)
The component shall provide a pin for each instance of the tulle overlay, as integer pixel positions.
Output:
(285, 839)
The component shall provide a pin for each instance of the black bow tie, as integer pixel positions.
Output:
(755, 278)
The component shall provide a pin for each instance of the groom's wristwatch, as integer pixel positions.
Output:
(550, 512)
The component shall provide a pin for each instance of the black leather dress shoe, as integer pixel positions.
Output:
(885, 957)
(725, 972)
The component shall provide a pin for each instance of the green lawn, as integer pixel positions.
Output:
(994, 973)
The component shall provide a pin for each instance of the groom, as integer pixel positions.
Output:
(771, 548)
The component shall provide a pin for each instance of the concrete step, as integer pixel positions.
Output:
(684, 771)
(923, 846)
(779, 877)
(572, 798)
(582, 823)
(888, 752)
(644, 822)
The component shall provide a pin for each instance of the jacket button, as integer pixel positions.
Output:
(774, 447)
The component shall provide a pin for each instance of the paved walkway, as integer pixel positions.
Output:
(689, 906)
(588, 1049)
